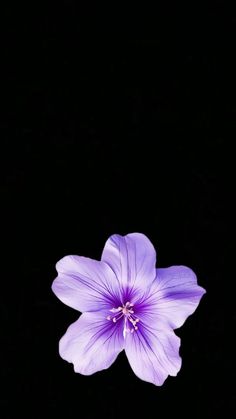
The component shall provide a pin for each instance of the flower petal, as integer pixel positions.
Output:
(174, 295)
(85, 284)
(132, 258)
(153, 354)
(92, 343)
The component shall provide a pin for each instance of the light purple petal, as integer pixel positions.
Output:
(85, 284)
(174, 295)
(153, 354)
(92, 343)
(132, 258)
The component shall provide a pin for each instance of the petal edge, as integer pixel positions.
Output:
(175, 295)
(132, 258)
(91, 343)
(85, 284)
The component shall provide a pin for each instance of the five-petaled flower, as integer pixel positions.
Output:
(127, 304)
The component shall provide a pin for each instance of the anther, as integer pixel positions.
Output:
(127, 313)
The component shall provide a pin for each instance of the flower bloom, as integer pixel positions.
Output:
(127, 304)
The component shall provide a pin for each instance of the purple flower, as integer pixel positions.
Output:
(127, 304)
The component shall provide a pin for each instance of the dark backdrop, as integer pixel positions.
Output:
(108, 132)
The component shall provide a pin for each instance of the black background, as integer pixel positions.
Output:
(109, 130)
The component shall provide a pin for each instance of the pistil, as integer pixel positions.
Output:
(126, 311)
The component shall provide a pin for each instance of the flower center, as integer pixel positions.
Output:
(127, 313)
